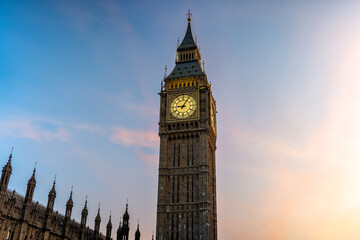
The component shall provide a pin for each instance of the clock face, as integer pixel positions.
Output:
(183, 106)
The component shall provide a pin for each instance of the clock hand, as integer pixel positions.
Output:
(184, 103)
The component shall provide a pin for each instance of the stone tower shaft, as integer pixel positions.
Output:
(186, 207)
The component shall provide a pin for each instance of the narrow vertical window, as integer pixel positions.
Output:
(173, 189)
(188, 154)
(192, 226)
(174, 155)
(192, 189)
(187, 226)
(178, 189)
(192, 154)
(187, 189)
(172, 226)
(177, 227)
(179, 155)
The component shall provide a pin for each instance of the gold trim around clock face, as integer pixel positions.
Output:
(183, 106)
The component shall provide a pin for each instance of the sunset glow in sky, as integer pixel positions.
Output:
(78, 95)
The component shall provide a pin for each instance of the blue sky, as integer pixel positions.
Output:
(78, 94)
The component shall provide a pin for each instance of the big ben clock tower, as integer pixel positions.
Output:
(186, 208)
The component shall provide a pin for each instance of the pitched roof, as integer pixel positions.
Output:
(186, 69)
(188, 42)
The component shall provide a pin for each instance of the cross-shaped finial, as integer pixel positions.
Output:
(189, 15)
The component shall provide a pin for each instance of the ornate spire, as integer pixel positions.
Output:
(108, 228)
(84, 213)
(97, 223)
(188, 57)
(98, 218)
(54, 181)
(10, 156)
(70, 201)
(137, 233)
(51, 197)
(109, 225)
(32, 179)
(85, 210)
(188, 42)
(30, 187)
(69, 204)
(8, 167)
(53, 187)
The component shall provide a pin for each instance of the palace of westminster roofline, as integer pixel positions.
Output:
(23, 219)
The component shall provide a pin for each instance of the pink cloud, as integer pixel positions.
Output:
(147, 158)
(135, 138)
(25, 128)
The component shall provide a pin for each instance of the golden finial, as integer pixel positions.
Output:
(165, 73)
(189, 15)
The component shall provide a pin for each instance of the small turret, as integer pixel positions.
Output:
(118, 232)
(5, 177)
(137, 233)
(30, 188)
(51, 198)
(125, 228)
(97, 224)
(84, 214)
(126, 216)
(108, 229)
(69, 205)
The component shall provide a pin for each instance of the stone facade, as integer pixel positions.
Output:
(23, 219)
(186, 206)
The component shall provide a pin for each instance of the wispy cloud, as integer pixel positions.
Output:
(147, 158)
(28, 129)
(135, 138)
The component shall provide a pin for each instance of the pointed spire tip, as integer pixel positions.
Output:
(189, 16)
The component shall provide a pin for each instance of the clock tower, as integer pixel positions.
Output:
(186, 207)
